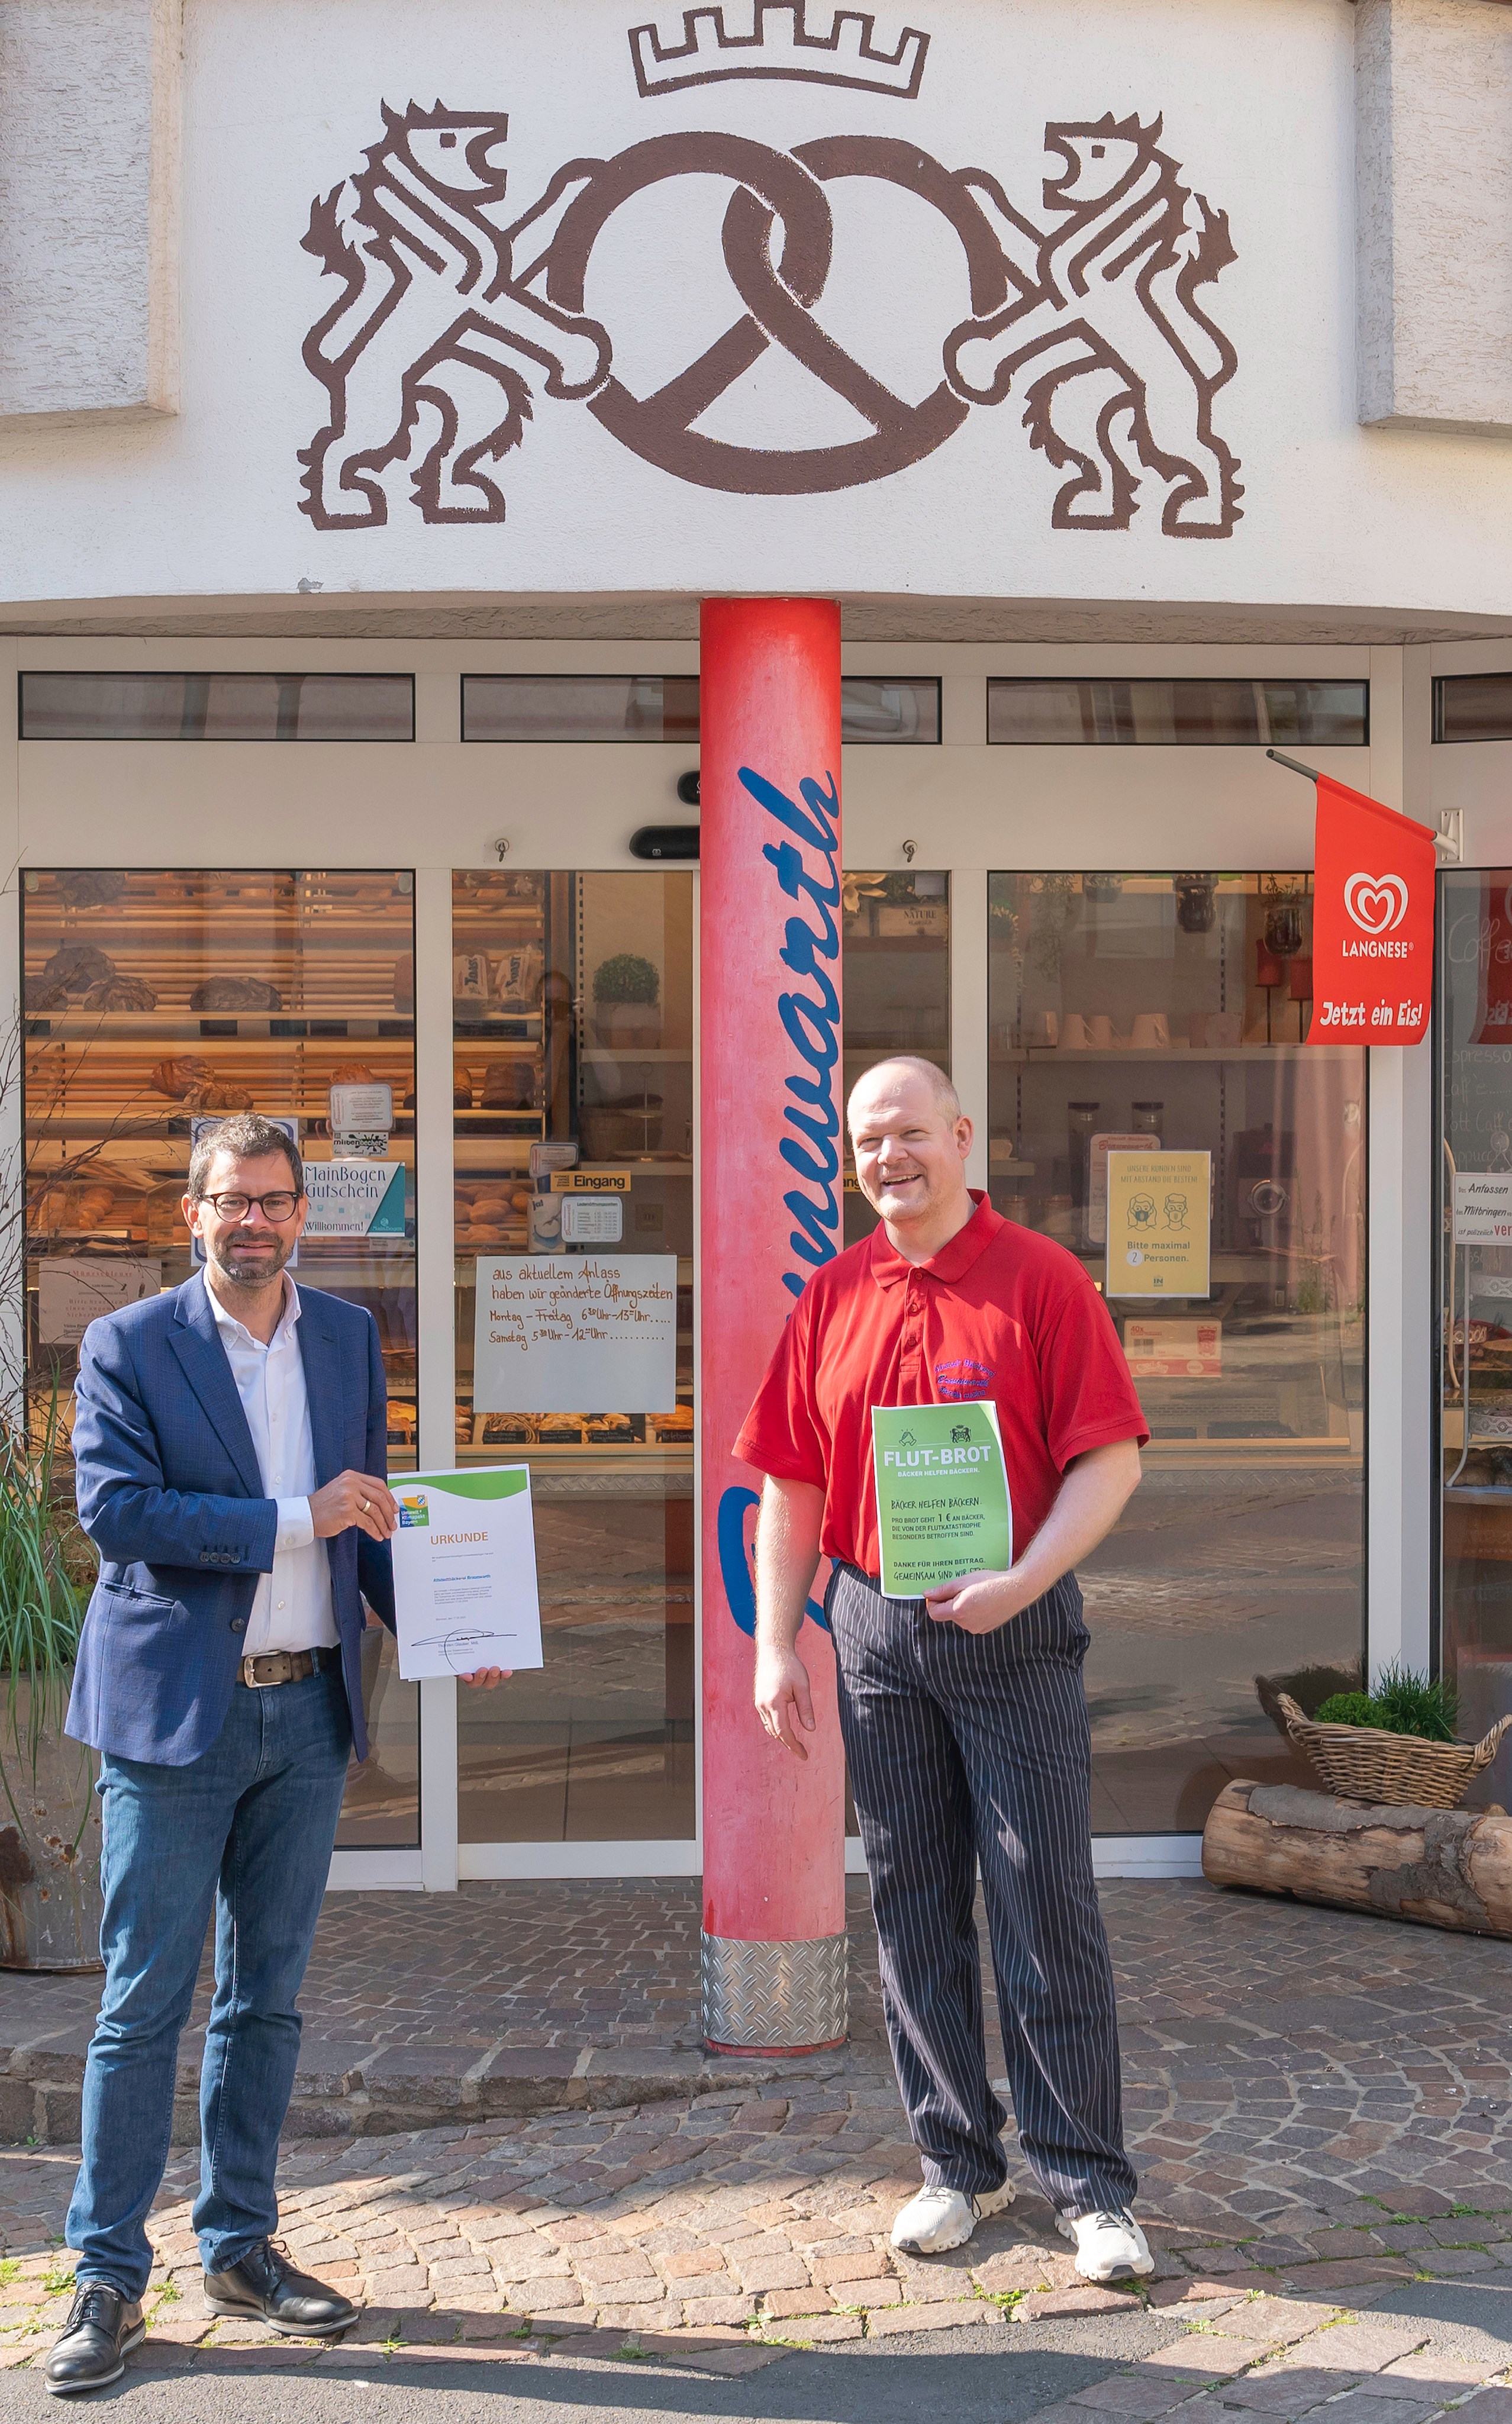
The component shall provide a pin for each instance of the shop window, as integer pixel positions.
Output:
(579, 707)
(217, 707)
(1062, 711)
(158, 999)
(1161, 1016)
(664, 707)
(896, 991)
(1472, 707)
(1472, 1032)
(574, 1108)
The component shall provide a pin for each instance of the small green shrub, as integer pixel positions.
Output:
(1401, 1704)
(627, 978)
(1347, 1709)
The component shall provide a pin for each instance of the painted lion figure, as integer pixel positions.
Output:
(1115, 361)
(435, 346)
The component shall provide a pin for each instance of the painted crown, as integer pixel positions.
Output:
(781, 45)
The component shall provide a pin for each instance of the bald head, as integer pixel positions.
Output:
(902, 1067)
(911, 1138)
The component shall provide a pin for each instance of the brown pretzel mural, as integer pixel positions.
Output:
(445, 313)
(773, 188)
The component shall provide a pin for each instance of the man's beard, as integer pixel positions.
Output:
(253, 1278)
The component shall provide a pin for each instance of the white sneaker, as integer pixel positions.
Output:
(938, 2219)
(1109, 2246)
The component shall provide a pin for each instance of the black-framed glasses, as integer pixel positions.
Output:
(277, 1206)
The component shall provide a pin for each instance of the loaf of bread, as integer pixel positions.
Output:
(120, 993)
(235, 993)
(77, 965)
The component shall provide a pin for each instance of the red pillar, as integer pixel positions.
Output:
(771, 1101)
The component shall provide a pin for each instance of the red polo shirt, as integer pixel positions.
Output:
(998, 1313)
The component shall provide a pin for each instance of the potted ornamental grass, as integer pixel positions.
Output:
(626, 1002)
(50, 1906)
(1395, 1743)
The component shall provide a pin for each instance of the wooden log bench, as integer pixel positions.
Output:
(1442, 1868)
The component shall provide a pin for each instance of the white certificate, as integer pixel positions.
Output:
(464, 1571)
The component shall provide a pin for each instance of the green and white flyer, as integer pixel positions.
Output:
(464, 1571)
(942, 1508)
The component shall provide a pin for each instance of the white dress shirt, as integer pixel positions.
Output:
(293, 1609)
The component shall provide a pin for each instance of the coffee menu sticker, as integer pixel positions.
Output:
(943, 1505)
(576, 1333)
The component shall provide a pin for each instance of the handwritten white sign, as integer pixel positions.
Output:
(74, 1290)
(576, 1333)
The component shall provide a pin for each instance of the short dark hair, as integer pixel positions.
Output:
(248, 1136)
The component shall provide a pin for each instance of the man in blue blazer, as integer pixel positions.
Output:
(231, 1443)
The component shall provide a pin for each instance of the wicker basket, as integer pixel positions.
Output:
(1361, 1764)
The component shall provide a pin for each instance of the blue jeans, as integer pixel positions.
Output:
(248, 1827)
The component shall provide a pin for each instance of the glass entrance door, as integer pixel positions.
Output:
(1472, 1032)
(572, 1087)
(1163, 1015)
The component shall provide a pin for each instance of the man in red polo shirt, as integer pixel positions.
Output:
(963, 1715)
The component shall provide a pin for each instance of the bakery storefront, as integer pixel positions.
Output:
(495, 1056)
(368, 453)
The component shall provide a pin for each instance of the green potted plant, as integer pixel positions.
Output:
(50, 1906)
(627, 999)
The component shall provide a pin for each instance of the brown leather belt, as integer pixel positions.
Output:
(285, 1667)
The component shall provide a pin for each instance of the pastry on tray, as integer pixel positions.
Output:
(41, 997)
(180, 1076)
(352, 1073)
(506, 1431)
(235, 993)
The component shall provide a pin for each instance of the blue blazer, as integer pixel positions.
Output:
(170, 1493)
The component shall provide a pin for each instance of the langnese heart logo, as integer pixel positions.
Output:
(1378, 903)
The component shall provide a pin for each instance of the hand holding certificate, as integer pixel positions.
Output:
(463, 1572)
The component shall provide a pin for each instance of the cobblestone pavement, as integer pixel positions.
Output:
(1318, 2103)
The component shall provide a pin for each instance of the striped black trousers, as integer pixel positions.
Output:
(968, 1747)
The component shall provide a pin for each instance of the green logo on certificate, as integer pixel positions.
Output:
(942, 1508)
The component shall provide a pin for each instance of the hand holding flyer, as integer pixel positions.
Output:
(464, 1571)
(943, 1505)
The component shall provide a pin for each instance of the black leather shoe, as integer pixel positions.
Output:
(266, 2285)
(92, 2350)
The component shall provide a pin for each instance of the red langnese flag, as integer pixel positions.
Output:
(1372, 921)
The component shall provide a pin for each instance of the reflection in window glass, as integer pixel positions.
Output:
(889, 712)
(155, 998)
(1063, 711)
(664, 707)
(896, 991)
(573, 1010)
(1473, 1030)
(217, 707)
(579, 707)
(1158, 1012)
(1472, 707)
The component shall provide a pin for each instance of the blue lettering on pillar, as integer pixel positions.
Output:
(735, 1564)
(807, 873)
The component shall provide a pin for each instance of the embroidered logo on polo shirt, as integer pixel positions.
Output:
(963, 1377)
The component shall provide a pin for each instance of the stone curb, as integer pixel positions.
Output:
(368, 2092)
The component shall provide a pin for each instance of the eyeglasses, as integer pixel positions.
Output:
(277, 1206)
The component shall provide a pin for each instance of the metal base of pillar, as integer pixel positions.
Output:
(775, 1997)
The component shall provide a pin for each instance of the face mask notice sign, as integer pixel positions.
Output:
(943, 1505)
(1160, 1222)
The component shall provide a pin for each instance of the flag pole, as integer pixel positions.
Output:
(1295, 765)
